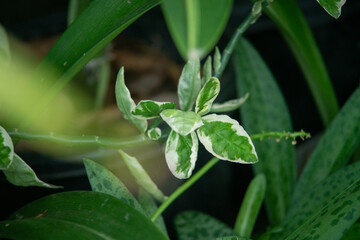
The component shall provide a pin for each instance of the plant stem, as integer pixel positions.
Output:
(301, 134)
(192, 22)
(184, 187)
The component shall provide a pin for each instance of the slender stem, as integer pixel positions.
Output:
(191, 15)
(293, 135)
(184, 187)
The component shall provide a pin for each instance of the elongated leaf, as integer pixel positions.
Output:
(207, 95)
(79, 215)
(333, 7)
(207, 71)
(192, 225)
(6, 149)
(181, 154)
(151, 109)
(141, 176)
(154, 133)
(125, 102)
(353, 233)
(182, 122)
(4, 48)
(229, 105)
(75, 8)
(217, 60)
(223, 137)
(335, 146)
(266, 110)
(104, 181)
(196, 25)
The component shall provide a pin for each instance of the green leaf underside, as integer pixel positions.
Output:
(181, 154)
(192, 225)
(207, 95)
(142, 177)
(229, 105)
(151, 109)
(182, 122)
(154, 133)
(189, 84)
(104, 181)
(226, 139)
(21, 174)
(207, 71)
(333, 7)
(126, 104)
(79, 215)
(6, 149)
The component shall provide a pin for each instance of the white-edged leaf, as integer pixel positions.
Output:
(181, 154)
(207, 71)
(223, 137)
(21, 174)
(189, 84)
(151, 109)
(182, 122)
(207, 95)
(154, 133)
(229, 105)
(6, 149)
(125, 102)
(142, 177)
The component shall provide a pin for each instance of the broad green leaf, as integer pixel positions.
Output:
(192, 225)
(79, 215)
(266, 110)
(181, 154)
(6, 149)
(151, 109)
(207, 95)
(104, 181)
(335, 147)
(75, 8)
(229, 105)
(154, 133)
(189, 84)
(142, 177)
(182, 122)
(4, 48)
(126, 104)
(224, 138)
(207, 71)
(217, 60)
(196, 25)
(353, 233)
(333, 7)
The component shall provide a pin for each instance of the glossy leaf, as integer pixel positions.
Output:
(333, 7)
(229, 105)
(181, 154)
(189, 84)
(151, 109)
(4, 48)
(79, 215)
(207, 95)
(266, 110)
(125, 102)
(154, 133)
(104, 181)
(353, 233)
(335, 147)
(21, 174)
(142, 177)
(6, 149)
(196, 25)
(207, 71)
(224, 138)
(182, 122)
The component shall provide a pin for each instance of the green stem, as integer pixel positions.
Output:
(184, 187)
(103, 83)
(293, 135)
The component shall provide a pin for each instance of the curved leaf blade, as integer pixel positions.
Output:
(151, 109)
(207, 95)
(6, 149)
(333, 7)
(181, 122)
(230, 105)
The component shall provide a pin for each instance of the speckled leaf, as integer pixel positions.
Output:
(79, 215)
(151, 109)
(6, 149)
(229, 105)
(335, 147)
(189, 84)
(333, 7)
(223, 137)
(353, 233)
(192, 225)
(207, 95)
(181, 154)
(104, 181)
(21, 174)
(142, 177)
(266, 110)
(125, 102)
(182, 122)
(207, 71)
(154, 133)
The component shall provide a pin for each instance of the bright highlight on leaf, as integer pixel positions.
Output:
(207, 96)
(6, 149)
(151, 109)
(182, 122)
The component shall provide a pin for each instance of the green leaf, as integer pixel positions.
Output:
(229, 105)
(207, 71)
(217, 60)
(142, 177)
(151, 109)
(224, 138)
(79, 215)
(154, 133)
(181, 154)
(189, 84)
(75, 8)
(353, 233)
(4, 48)
(182, 122)
(6, 149)
(335, 147)
(196, 26)
(266, 110)
(207, 95)
(192, 225)
(104, 181)
(333, 7)
(126, 104)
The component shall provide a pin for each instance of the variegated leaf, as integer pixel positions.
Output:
(229, 105)
(151, 109)
(207, 95)
(181, 154)
(182, 122)
(6, 149)
(154, 133)
(207, 71)
(223, 137)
